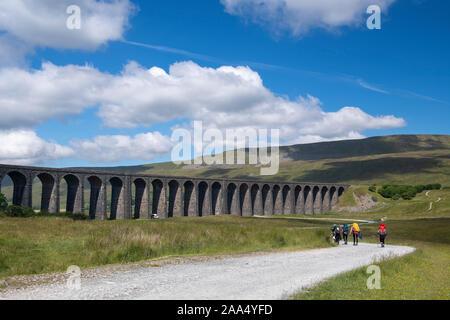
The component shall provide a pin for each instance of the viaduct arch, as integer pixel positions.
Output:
(167, 196)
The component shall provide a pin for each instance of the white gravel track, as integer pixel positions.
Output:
(253, 277)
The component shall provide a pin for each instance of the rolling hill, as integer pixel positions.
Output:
(402, 159)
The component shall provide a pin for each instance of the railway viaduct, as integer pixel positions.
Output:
(167, 196)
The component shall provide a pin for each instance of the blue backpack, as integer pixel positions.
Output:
(345, 229)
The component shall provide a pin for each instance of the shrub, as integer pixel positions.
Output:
(398, 191)
(373, 188)
(19, 212)
(79, 216)
(395, 197)
(436, 186)
(76, 216)
(420, 188)
(3, 202)
(25, 212)
(407, 196)
(446, 188)
(43, 214)
(404, 191)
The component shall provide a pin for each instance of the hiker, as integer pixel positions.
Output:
(336, 231)
(355, 233)
(345, 232)
(382, 233)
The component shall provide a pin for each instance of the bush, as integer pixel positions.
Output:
(420, 188)
(19, 212)
(446, 188)
(435, 186)
(405, 192)
(76, 216)
(25, 212)
(79, 216)
(399, 191)
(3, 202)
(373, 188)
(43, 214)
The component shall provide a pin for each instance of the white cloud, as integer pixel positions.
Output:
(300, 16)
(118, 148)
(29, 98)
(226, 97)
(31, 23)
(347, 122)
(24, 147)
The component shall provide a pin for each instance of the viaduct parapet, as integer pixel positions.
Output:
(140, 196)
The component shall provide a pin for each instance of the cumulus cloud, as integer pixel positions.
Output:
(29, 98)
(117, 148)
(300, 16)
(30, 23)
(24, 147)
(225, 97)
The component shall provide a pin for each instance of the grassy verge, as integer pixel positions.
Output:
(50, 244)
(423, 274)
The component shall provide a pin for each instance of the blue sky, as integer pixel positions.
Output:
(402, 70)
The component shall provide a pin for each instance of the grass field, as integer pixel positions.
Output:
(50, 244)
(423, 274)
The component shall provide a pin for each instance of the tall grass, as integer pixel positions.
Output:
(49, 244)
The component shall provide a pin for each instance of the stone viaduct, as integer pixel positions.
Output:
(167, 196)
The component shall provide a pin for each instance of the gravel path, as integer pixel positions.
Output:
(270, 276)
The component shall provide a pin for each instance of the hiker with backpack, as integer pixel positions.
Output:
(345, 232)
(336, 232)
(382, 232)
(355, 232)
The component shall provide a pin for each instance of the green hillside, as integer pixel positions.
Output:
(409, 159)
